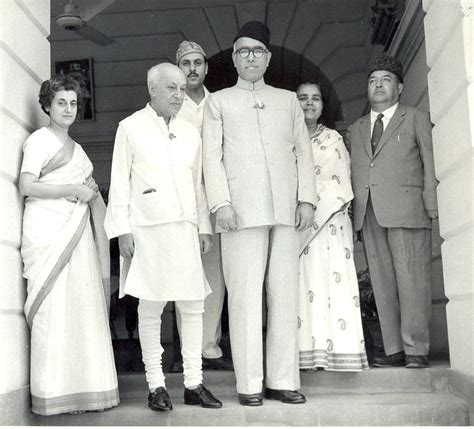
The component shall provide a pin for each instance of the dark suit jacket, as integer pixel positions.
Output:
(400, 175)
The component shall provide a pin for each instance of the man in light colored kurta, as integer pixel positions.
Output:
(258, 170)
(191, 59)
(157, 208)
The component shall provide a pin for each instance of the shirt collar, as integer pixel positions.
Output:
(156, 117)
(387, 113)
(206, 94)
(250, 86)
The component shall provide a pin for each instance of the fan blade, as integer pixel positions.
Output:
(93, 8)
(90, 33)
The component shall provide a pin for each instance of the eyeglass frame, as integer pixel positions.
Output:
(251, 50)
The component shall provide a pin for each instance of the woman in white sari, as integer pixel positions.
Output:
(330, 327)
(66, 264)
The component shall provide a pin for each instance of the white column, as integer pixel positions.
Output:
(449, 43)
(25, 63)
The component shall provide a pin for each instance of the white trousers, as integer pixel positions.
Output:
(149, 325)
(251, 257)
(214, 302)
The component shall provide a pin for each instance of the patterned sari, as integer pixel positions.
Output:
(66, 265)
(330, 327)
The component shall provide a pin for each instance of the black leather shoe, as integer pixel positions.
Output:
(286, 396)
(397, 359)
(202, 396)
(416, 361)
(159, 400)
(252, 400)
(219, 364)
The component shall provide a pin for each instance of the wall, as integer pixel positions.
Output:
(449, 35)
(408, 45)
(25, 61)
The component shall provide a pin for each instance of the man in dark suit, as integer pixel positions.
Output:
(395, 201)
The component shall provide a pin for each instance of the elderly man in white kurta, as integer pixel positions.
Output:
(192, 60)
(258, 170)
(158, 209)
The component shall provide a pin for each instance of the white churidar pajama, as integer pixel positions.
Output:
(149, 319)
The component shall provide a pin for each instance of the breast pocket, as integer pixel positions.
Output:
(148, 201)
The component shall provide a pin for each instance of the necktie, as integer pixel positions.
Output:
(377, 132)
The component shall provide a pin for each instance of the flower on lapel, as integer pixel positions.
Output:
(171, 136)
(259, 105)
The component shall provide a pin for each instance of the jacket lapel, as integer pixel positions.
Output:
(397, 118)
(364, 128)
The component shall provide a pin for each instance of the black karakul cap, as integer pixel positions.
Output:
(388, 63)
(255, 30)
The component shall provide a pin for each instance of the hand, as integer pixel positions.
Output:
(205, 243)
(432, 214)
(126, 245)
(226, 218)
(304, 216)
(91, 184)
(84, 193)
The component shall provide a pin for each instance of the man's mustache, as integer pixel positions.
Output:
(193, 75)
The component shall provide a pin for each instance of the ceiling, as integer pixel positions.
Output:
(330, 39)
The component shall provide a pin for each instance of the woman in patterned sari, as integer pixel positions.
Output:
(65, 255)
(330, 327)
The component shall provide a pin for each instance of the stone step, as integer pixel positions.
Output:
(380, 409)
(375, 380)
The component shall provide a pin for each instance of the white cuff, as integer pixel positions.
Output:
(218, 206)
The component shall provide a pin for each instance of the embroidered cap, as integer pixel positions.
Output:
(187, 47)
(255, 30)
(387, 63)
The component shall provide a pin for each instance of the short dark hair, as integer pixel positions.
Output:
(56, 83)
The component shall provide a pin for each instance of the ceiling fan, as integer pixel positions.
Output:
(75, 19)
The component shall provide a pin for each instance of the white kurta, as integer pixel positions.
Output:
(193, 112)
(156, 193)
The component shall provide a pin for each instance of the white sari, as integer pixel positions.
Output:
(72, 362)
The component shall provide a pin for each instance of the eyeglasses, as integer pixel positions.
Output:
(257, 52)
